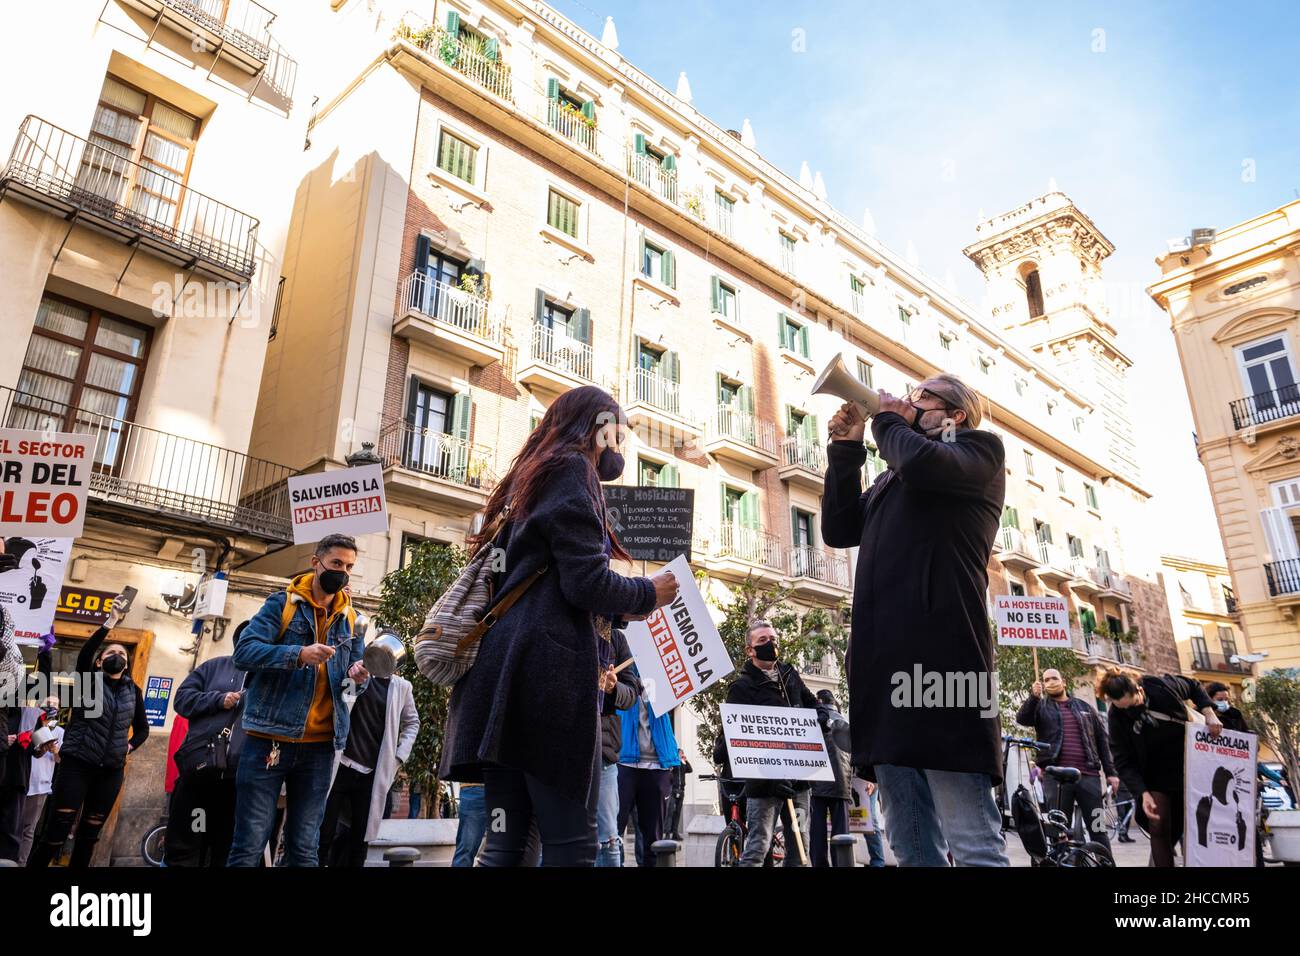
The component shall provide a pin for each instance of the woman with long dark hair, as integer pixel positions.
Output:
(525, 718)
(1147, 720)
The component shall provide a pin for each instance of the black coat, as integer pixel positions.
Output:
(841, 788)
(624, 696)
(925, 531)
(751, 686)
(1043, 714)
(1150, 754)
(199, 700)
(101, 740)
(529, 701)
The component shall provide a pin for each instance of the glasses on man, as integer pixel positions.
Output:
(920, 394)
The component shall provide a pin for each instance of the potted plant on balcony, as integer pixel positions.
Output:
(1273, 712)
(694, 203)
(474, 473)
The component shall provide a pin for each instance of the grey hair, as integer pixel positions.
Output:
(754, 626)
(960, 395)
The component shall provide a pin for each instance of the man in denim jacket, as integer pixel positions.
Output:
(302, 652)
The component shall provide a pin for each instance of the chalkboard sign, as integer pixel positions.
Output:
(654, 524)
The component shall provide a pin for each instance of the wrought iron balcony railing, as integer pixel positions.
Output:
(649, 172)
(749, 545)
(134, 202)
(554, 348)
(1218, 662)
(1264, 407)
(799, 452)
(483, 66)
(1283, 577)
(450, 306)
(819, 565)
(434, 453)
(155, 471)
(728, 422)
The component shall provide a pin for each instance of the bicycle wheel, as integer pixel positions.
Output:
(778, 848)
(730, 843)
(153, 846)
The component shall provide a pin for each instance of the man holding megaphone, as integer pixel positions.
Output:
(923, 694)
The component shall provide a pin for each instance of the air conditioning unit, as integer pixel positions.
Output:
(1202, 237)
(1179, 245)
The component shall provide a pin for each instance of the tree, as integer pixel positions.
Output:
(1274, 714)
(1015, 666)
(804, 639)
(405, 596)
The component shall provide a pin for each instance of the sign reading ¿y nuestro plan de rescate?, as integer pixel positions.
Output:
(348, 501)
(1039, 621)
(44, 483)
(775, 743)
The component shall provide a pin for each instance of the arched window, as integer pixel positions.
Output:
(1033, 291)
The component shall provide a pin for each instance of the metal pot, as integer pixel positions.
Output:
(385, 654)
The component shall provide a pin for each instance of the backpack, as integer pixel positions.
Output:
(447, 645)
(1028, 823)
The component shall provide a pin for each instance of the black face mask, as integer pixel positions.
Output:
(332, 582)
(610, 465)
(765, 652)
(114, 664)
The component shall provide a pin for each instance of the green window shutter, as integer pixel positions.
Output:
(1088, 619)
(791, 426)
(669, 162)
(638, 144)
(781, 325)
(582, 326)
(747, 399)
(672, 367)
(422, 246)
(749, 510)
(461, 406)
(722, 515)
(810, 423)
(453, 23)
(722, 388)
(668, 265)
(492, 49)
(794, 526)
(803, 341)
(412, 398)
(717, 294)
(640, 253)
(539, 305)
(668, 477)
(552, 89)
(589, 109)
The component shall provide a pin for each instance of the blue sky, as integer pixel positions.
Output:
(1154, 117)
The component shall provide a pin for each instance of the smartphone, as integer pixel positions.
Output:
(124, 601)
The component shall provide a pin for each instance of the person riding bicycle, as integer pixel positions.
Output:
(766, 681)
(1077, 739)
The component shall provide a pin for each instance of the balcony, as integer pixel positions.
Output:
(1211, 664)
(1053, 565)
(570, 123)
(742, 438)
(425, 467)
(1098, 647)
(647, 171)
(1265, 407)
(137, 205)
(238, 30)
(556, 362)
(1112, 584)
(1283, 577)
(482, 66)
(1018, 550)
(1083, 578)
(818, 575)
(654, 410)
(803, 463)
(450, 320)
(739, 553)
(142, 471)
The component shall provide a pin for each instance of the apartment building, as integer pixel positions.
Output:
(498, 207)
(1211, 643)
(1232, 296)
(142, 233)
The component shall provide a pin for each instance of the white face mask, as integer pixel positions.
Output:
(1223, 705)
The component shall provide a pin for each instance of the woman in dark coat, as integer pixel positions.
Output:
(525, 718)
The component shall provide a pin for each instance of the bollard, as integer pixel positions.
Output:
(401, 855)
(842, 849)
(665, 852)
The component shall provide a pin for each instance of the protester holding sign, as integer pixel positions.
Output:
(1147, 719)
(109, 724)
(766, 681)
(646, 760)
(925, 530)
(524, 719)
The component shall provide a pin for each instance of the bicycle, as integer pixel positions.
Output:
(1049, 841)
(153, 846)
(731, 841)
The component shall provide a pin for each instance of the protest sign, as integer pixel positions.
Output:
(653, 524)
(44, 482)
(860, 819)
(1219, 827)
(1024, 621)
(678, 649)
(29, 592)
(775, 743)
(349, 501)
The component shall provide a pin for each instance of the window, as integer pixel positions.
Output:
(1021, 385)
(1090, 496)
(786, 243)
(724, 299)
(904, 316)
(739, 508)
(864, 372)
(656, 475)
(82, 370)
(1042, 531)
(1051, 406)
(145, 130)
(1267, 372)
(1034, 293)
(1060, 481)
(794, 336)
(456, 156)
(725, 208)
(1017, 589)
(802, 528)
(1088, 620)
(1010, 517)
(800, 424)
(413, 544)
(441, 272)
(437, 431)
(1228, 641)
(985, 363)
(569, 115)
(945, 342)
(1076, 546)
(1078, 424)
(562, 214)
(658, 263)
(1200, 651)
(1029, 462)
(855, 285)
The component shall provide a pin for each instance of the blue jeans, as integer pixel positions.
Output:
(304, 772)
(610, 850)
(471, 825)
(875, 846)
(931, 812)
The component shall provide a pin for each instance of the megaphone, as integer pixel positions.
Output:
(836, 380)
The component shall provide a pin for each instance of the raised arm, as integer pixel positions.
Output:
(962, 467)
(843, 504)
(89, 650)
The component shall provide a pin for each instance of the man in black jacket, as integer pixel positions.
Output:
(209, 698)
(1074, 730)
(922, 688)
(767, 682)
(830, 798)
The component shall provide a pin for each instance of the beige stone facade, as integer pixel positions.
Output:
(1233, 297)
(1208, 630)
